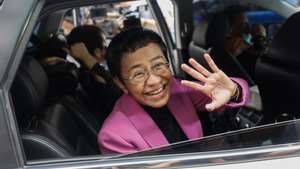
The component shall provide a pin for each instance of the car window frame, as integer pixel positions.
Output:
(29, 14)
(182, 160)
(173, 46)
(198, 159)
(89, 162)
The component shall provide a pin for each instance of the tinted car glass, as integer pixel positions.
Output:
(282, 133)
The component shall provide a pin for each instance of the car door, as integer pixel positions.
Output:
(246, 148)
(16, 19)
(262, 147)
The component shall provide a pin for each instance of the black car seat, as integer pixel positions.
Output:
(28, 94)
(66, 104)
(217, 30)
(197, 46)
(50, 127)
(278, 73)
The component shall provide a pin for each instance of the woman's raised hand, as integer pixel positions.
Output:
(216, 84)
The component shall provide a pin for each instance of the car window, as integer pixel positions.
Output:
(282, 133)
(112, 18)
(52, 116)
(269, 19)
(41, 119)
(167, 8)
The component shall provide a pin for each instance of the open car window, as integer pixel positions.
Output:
(111, 19)
(268, 135)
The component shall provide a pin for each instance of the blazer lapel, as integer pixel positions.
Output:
(143, 122)
(183, 110)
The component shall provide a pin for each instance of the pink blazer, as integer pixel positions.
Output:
(129, 128)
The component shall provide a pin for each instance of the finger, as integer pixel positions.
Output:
(213, 105)
(193, 85)
(193, 73)
(211, 63)
(199, 67)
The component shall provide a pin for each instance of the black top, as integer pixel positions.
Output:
(167, 123)
(102, 95)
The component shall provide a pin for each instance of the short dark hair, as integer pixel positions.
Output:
(91, 36)
(128, 41)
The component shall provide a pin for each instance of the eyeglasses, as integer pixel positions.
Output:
(140, 76)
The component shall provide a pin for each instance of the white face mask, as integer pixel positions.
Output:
(247, 39)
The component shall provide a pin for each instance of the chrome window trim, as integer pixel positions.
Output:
(236, 156)
(182, 160)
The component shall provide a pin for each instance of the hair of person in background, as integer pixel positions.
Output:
(91, 36)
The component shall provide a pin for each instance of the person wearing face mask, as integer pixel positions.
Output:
(86, 45)
(249, 57)
(259, 38)
(157, 109)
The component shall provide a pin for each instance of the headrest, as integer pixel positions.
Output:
(217, 29)
(199, 34)
(29, 89)
(63, 76)
(54, 46)
(285, 47)
(197, 53)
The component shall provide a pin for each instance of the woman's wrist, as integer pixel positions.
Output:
(236, 93)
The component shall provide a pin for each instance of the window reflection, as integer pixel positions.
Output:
(275, 134)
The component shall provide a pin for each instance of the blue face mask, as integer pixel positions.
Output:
(247, 39)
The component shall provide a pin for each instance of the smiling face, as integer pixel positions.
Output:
(155, 90)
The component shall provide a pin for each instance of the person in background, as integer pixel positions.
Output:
(259, 38)
(157, 109)
(62, 75)
(249, 57)
(86, 44)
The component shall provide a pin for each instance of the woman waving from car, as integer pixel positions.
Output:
(157, 109)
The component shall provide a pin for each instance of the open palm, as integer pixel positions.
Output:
(216, 84)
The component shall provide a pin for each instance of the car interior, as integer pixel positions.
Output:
(57, 120)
